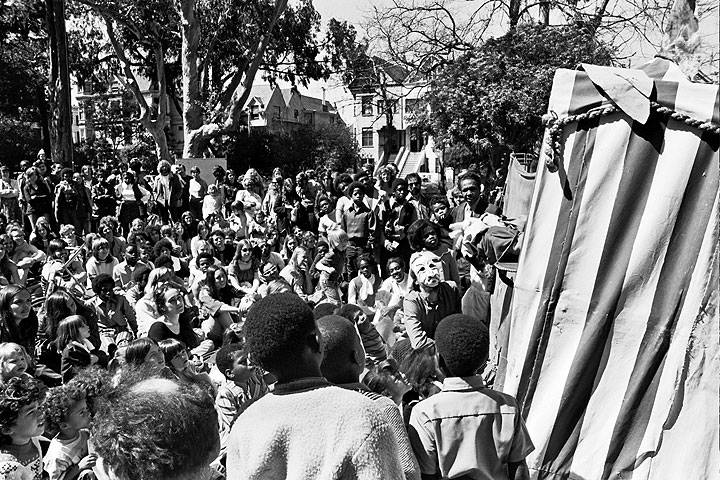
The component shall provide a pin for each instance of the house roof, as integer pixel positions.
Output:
(396, 72)
(287, 94)
(261, 93)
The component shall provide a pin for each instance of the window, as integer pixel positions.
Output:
(381, 106)
(366, 102)
(367, 137)
(254, 112)
(410, 105)
(308, 118)
(276, 113)
(296, 113)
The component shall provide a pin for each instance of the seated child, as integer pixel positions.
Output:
(67, 413)
(468, 430)
(21, 424)
(244, 386)
(73, 336)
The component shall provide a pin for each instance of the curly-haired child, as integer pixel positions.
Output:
(68, 414)
(21, 423)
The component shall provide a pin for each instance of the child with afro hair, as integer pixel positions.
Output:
(21, 425)
(306, 426)
(467, 429)
(68, 416)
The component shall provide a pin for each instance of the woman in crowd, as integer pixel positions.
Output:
(145, 353)
(215, 300)
(101, 261)
(8, 268)
(41, 235)
(18, 320)
(175, 321)
(297, 273)
(251, 193)
(178, 361)
(245, 268)
(203, 232)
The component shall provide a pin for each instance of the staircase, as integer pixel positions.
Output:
(412, 163)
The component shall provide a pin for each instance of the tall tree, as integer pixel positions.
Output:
(23, 63)
(206, 54)
(491, 100)
(60, 88)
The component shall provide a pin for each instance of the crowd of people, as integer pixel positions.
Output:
(155, 325)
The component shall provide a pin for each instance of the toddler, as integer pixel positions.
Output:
(68, 414)
(14, 362)
(21, 423)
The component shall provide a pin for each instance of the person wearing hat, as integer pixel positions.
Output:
(468, 430)
(198, 188)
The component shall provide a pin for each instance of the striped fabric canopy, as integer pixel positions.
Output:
(613, 348)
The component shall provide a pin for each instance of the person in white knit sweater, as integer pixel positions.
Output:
(306, 428)
(343, 362)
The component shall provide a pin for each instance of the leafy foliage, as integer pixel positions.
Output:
(330, 146)
(491, 100)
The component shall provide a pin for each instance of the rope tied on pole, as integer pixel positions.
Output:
(555, 126)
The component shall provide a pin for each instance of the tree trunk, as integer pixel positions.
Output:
(59, 84)
(155, 127)
(226, 114)
(161, 144)
(193, 117)
(514, 13)
(545, 13)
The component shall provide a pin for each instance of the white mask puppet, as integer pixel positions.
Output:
(426, 267)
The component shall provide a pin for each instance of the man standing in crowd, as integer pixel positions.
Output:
(415, 196)
(305, 428)
(359, 222)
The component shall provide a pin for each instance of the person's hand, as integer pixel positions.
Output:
(330, 270)
(93, 359)
(88, 462)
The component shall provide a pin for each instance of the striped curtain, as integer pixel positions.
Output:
(613, 348)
